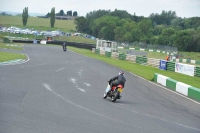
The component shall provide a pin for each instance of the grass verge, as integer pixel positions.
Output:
(146, 72)
(6, 56)
(11, 46)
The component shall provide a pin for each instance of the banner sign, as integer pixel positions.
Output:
(163, 65)
(184, 69)
(34, 41)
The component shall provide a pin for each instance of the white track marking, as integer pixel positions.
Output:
(131, 110)
(36, 65)
(87, 84)
(144, 79)
(172, 122)
(81, 107)
(60, 69)
(15, 63)
(80, 88)
(80, 72)
(47, 86)
(74, 81)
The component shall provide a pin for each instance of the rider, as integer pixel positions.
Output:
(119, 79)
(64, 46)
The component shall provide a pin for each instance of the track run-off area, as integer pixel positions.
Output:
(62, 92)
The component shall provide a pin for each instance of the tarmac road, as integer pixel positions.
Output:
(62, 92)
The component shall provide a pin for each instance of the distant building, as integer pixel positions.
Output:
(66, 17)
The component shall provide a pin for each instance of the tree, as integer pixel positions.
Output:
(163, 18)
(69, 13)
(75, 13)
(48, 15)
(25, 16)
(167, 33)
(119, 33)
(121, 14)
(129, 26)
(62, 13)
(146, 28)
(5, 14)
(81, 24)
(128, 37)
(158, 29)
(136, 34)
(182, 40)
(52, 17)
(177, 23)
(104, 27)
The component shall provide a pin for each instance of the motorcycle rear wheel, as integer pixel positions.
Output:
(115, 96)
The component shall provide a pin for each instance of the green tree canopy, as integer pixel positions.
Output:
(52, 17)
(25, 16)
(75, 13)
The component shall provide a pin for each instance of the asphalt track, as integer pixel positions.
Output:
(62, 92)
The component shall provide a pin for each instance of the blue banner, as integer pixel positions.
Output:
(163, 65)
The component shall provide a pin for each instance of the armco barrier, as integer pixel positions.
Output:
(187, 90)
(171, 66)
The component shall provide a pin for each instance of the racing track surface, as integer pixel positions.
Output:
(62, 92)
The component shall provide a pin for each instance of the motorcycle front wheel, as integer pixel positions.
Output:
(105, 95)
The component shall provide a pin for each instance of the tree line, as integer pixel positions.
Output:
(62, 13)
(50, 15)
(164, 28)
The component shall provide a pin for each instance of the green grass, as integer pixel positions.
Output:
(191, 55)
(156, 55)
(6, 56)
(38, 23)
(140, 70)
(14, 46)
(77, 39)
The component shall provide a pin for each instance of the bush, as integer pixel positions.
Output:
(6, 40)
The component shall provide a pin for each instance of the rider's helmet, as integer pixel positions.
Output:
(121, 73)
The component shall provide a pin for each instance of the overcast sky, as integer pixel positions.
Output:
(183, 8)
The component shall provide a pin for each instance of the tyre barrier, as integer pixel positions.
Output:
(73, 44)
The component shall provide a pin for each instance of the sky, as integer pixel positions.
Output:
(183, 8)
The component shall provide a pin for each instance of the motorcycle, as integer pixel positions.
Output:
(64, 49)
(114, 92)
